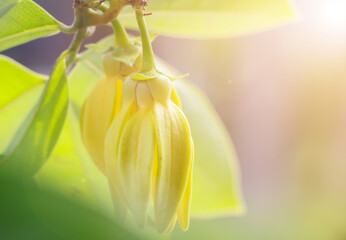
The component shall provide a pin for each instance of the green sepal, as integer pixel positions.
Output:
(152, 37)
(142, 76)
(171, 77)
(127, 54)
(102, 46)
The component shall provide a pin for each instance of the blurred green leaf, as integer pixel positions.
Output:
(216, 187)
(216, 181)
(30, 213)
(15, 80)
(209, 18)
(84, 76)
(14, 114)
(20, 89)
(22, 21)
(37, 136)
(70, 172)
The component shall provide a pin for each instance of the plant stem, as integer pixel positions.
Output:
(75, 46)
(86, 17)
(121, 37)
(148, 55)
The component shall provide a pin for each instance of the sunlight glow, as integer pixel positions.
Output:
(332, 16)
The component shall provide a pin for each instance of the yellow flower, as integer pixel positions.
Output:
(149, 154)
(102, 105)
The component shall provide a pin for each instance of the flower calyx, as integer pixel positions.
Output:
(122, 61)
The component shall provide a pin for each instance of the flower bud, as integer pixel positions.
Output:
(97, 113)
(144, 97)
(149, 154)
(161, 88)
(103, 104)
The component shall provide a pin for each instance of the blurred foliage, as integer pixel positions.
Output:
(36, 137)
(16, 80)
(209, 18)
(70, 172)
(29, 213)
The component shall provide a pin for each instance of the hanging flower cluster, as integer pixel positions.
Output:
(138, 136)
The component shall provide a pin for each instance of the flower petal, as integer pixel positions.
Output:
(223, 195)
(171, 227)
(184, 207)
(112, 145)
(97, 114)
(135, 163)
(175, 97)
(174, 160)
(119, 206)
(117, 101)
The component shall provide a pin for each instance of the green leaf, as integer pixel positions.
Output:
(216, 189)
(22, 21)
(6, 6)
(37, 136)
(20, 89)
(14, 115)
(15, 80)
(210, 18)
(70, 171)
(84, 76)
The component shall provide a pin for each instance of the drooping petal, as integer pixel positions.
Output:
(154, 173)
(175, 97)
(174, 160)
(117, 101)
(171, 227)
(112, 146)
(135, 163)
(223, 196)
(97, 114)
(184, 207)
(119, 206)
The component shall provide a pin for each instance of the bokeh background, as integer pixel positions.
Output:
(282, 96)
